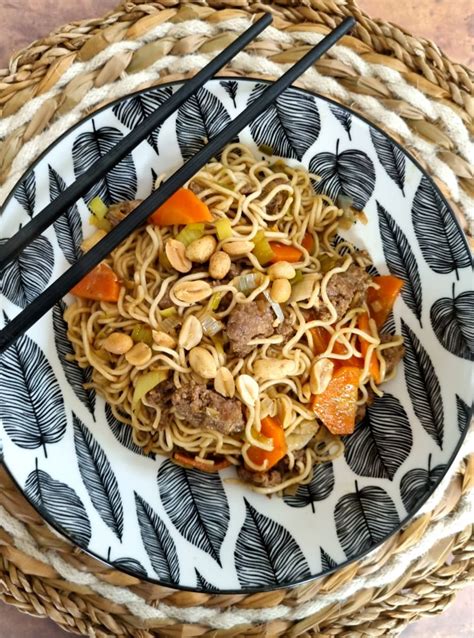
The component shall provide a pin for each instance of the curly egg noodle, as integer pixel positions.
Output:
(240, 188)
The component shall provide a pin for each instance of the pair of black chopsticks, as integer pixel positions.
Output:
(47, 299)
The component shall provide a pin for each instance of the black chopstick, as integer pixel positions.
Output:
(82, 184)
(47, 299)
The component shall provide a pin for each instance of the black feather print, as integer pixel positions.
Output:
(231, 88)
(76, 376)
(344, 118)
(289, 126)
(98, 478)
(24, 278)
(391, 157)
(124, 433)
(68, 226)
(120, 182)
(364, 518)
(266, 554)
(199, 119)
(158, 542)
(130, 565)
(25, 193)
(350, 173)
(133, 111)
(389, 327)
(59, 502)
(441, 240)
(154, 177)
(196, 504)
(204, 584)
(423, 386)
(327, 563)
(31, 403)
(464, 414)
(452, 320)
(318, 489)
(418, 483)
(401, 261)
(381, 442)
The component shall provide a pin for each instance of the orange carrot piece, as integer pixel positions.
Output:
(374, 367)
(101, 284)
(337, 405)
(198, 464)
(272, 429)
(321, 339)
(308, 242)
(184, 207)
(282, 252)
(381, 301)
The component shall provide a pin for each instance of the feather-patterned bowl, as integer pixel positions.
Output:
(79, 467)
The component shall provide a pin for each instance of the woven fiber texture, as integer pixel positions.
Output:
(419, 96)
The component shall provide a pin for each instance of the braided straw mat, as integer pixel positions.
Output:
(423, 99)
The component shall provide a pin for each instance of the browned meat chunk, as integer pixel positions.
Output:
(205, 409)
(276, 203)
(286, 329)
(248, 321)
(161, 395)
(392, 356)
(165, 301)
(275, 476)
(259, 479)
(119, 211)
(346, 290)
(195, 187)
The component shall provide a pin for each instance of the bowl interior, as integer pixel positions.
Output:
(78, 465)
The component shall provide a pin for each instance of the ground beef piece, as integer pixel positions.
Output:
(119, 211)
(248, 321)
(275, 205)
(259, 479)
(281, 472)
(161, 394)
(346, 290)
(205, 409)
(165, 301)
(392, 356)
(286, 329)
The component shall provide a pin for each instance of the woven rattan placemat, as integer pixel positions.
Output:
(402, 83)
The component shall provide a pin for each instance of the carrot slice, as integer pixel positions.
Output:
(197, 464)
(374, 367)
(272, 429)
(381, 301)
(308, 242)
(337, 405)
(101, 284)
(321, 338)
(282, 252)
(184, 207)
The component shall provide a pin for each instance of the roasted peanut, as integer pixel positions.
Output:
(238, 248)
(192, 291)
(281, 270)
(191, 333)
(118, 343)
(176, 253)
(219, 265)
(201, 249)
(202, 362)
(271, 369)
(281, 290)
(163, 339)
(139, 355)
(320, 375)
(248, 389)
(224, 382)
